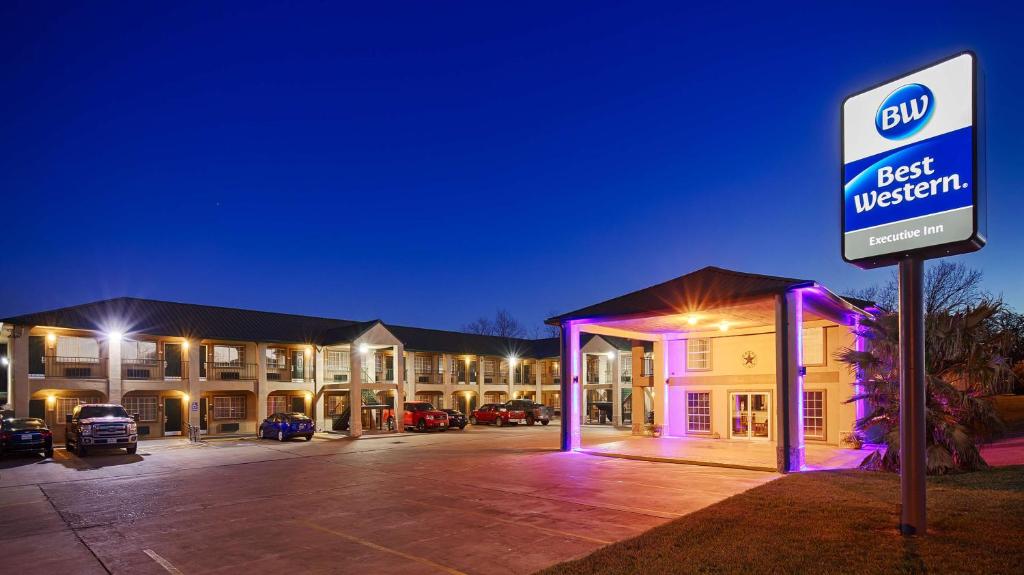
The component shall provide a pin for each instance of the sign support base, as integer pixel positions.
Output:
(913, 428)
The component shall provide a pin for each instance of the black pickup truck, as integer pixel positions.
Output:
(100, 425)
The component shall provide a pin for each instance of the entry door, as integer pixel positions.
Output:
(298, 404)
(172, 416)
(172, 360)
(750, 414)
(202, 414)
(298, 366)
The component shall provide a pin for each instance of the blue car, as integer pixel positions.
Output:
(284, 426)
(26, 434)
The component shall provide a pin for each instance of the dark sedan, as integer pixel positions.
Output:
(455, 418)
(26, 434)
(284, 426)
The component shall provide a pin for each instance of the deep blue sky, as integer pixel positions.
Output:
(429, 162)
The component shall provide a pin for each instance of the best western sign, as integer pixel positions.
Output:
(911, 169)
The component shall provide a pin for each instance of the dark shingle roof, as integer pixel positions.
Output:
(164, 318)
(702, 289)
(423, 339)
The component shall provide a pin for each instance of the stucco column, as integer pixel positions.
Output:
(400, 397)
(446, 381)
(410, 375)
(480, 381)
(511, 375)
(538, 382)
(319, 400)
(789, 382)
(262, 387)
(355, 393)
(616, 389)
(194, 354)
(637, 397)
(113, 370)
(571, 386)
(661, 416)
(21, 390)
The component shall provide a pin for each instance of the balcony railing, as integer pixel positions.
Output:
(153, 369)
(75, 367)
(427, 377)
(230, 371)
(337, 375)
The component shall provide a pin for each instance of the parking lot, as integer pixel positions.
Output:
(484, 500)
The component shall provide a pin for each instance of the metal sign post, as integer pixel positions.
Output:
(913, 188)
(912, 397)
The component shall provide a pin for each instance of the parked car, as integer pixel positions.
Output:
(533, 412)
(495, 413)
(100, 425)
(284, 426)
(26, 434)
(456, 418)
(422, 416)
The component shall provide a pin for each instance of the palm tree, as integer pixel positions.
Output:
(964, 363)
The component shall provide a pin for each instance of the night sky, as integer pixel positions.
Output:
(429, 162)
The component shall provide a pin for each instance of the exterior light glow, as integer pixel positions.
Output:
(692, 320)
(51, 400)
(610, 354)
(51, 338)
(185, 397)
(114, 336)
(309, 395)
(308, 350)
(363, 348)
(724, 326)
(4, 361)
(184, 345)
(512, 360)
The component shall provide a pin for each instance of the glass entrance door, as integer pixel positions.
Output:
(750, 414)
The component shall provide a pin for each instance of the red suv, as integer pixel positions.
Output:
(422, 416)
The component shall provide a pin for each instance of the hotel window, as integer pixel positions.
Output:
(65, 405)
(138, 350)
(627, 367)
(813, 345)
(277, 358)
(698, 354)
(144, 405)
(79, 349)
(336, 404)
(277, 404)
(423, 363)
(228, 354)
(338, 361)
(489, 367)
(229, 407)
(698, 412)
(648, 367)
(814, 414)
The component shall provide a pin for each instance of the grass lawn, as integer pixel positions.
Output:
(835, 522)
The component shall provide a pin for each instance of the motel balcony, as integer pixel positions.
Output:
(231, 371)
(426, 377)
(154, 369)
(70, 367)
(337, 375)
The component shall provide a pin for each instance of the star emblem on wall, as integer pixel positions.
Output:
(749, 359)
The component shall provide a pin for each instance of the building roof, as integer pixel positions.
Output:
(129, 315)
(163, 318)
(703, 289)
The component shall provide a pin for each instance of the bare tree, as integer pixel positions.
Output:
(507, 326)
(481, 326)
(948, 288)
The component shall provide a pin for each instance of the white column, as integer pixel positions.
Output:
(446, 400)
(538, 382)
(661, 386)
(400, 398)
(616, 389)
(480, 380)
(571, 386)
(355, 425)
(511, 374)
(789, 382)
(319, 399)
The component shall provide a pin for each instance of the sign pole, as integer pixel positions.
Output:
(912, 397)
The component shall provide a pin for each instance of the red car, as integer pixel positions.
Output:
(497, 413)
(422, 416)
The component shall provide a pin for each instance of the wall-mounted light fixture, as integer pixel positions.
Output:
(51, 338)
(724, 326)
(185, 397)
(363, 348)
(184, 345)
(115, 336)
(692, 319)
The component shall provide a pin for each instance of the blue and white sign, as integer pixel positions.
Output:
(911, 168)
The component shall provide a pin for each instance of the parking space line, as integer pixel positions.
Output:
(162, 562)
(516, 523)
(377, 547)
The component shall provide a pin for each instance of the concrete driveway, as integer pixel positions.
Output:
(485, 500)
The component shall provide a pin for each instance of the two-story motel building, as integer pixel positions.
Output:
(713, 354)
